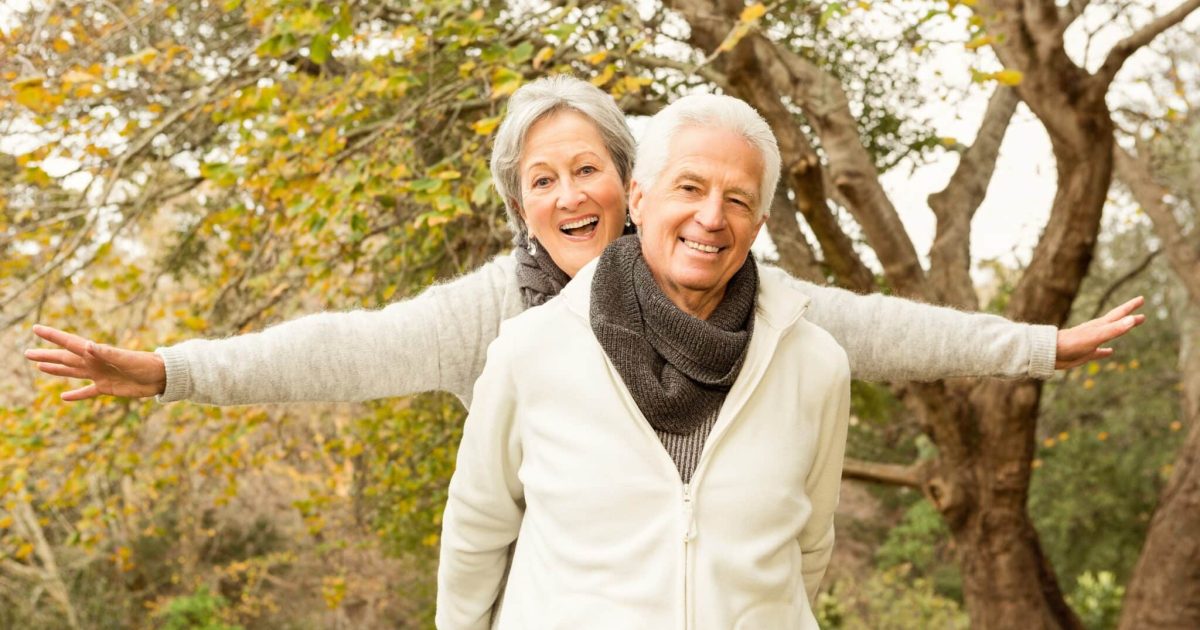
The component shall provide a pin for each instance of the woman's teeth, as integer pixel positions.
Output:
(580, 227)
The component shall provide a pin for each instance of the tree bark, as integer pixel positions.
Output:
(955, 205)
(1164, 590)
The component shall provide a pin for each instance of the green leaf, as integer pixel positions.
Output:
(319, 50)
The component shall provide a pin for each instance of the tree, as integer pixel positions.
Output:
(1162, 178)
(984, 430)
(289, 154)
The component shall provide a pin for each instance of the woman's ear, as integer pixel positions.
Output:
(635, 202)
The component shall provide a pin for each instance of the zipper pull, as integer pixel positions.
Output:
(689, 528)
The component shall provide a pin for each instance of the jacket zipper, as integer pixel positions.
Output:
(689, 532)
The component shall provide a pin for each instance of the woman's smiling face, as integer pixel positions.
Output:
(572, 196)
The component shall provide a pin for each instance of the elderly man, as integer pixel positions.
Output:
(666, 437)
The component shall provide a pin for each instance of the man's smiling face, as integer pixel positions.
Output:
(700, 216)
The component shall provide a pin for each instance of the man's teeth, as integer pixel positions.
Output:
(711, 249)
(578, 223)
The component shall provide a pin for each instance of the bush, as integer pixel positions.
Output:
(888, 600)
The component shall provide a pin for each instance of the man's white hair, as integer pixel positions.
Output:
(710, 111)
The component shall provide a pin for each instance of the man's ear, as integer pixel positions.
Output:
(636, 197)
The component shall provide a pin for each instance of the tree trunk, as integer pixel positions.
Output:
(1164, 590)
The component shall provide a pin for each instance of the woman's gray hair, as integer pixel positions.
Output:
(536, 100)
(708, 111)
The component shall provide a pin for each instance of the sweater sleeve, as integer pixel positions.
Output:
(435, 341)
(893, 339)
(824, 482)
(485, 504)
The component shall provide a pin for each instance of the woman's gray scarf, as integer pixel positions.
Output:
(677, 367)
(538, 278)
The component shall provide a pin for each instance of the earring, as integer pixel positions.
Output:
(532, 246)
(628, 221)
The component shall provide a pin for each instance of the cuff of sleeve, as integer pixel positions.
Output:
(179, 379)
(1044, 351)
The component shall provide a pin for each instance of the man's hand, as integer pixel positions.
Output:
(113, 371)
(1082, 343)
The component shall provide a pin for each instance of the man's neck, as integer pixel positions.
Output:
(698, 304)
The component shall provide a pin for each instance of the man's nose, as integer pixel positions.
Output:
(710, 214)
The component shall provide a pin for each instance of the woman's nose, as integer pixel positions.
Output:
(570, 196)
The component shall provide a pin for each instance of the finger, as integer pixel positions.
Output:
(82, 393)
(55, 369)
(1124, 309)
(115, 357)
(74, 343)
(46, 355)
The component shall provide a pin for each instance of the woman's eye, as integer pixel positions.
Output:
(541, 182)
(587, 170)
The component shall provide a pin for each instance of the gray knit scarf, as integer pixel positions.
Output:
(677, 367)
(538, 278)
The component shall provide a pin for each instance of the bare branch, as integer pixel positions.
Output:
(1122, 281)
(1126, 47)
(1181, 254)
(912, 475)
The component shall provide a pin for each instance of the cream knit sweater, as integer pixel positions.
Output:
(438, 340)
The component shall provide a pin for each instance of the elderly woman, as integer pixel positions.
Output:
(562, 162)
(671, 455)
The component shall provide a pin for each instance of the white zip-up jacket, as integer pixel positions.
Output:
(555, 453)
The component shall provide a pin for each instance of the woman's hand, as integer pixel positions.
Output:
(1081, 344)
(113, 371)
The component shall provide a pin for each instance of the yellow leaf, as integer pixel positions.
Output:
(1009, 77)
(1093, 368)
(27, 82)
(61, 45)
(485, 126)
(753, 12)
(597, 57)
(24, 551)
(980, 42)
(735, 36)
(605, 76)
(542, 56)
(1177, 425)
(505, 82)
(1088, 384)
(1102, 436)
(78, 76)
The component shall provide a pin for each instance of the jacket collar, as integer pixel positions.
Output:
(780, 302)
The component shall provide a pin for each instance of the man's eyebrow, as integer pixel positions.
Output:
(686, 175)
(745, 193)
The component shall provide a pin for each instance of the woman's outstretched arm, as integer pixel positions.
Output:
(893, 339)
(434, 341)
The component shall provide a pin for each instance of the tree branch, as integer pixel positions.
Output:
(955, 205)
(1181, 253)
(1120, 282)
(912, 475)
(1126, 47)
